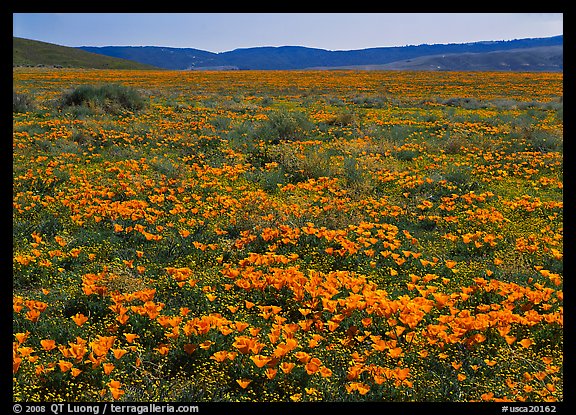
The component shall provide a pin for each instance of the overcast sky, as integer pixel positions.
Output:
(219, 32)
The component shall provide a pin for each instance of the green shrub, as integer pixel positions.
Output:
(397, 133)
(286, 125)
(454, 144)
(462, 177)
(109, 98)
(464, 102)
(22, 103)
(545, 141)
(167, 167)
(343, 118)
(311, 163)
(370, 102)
(406, 155)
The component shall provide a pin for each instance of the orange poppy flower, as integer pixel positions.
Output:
(401, 374)
(108, 367)
(456, 365)
(48, 344)
(64, 365)
(22, 337)
(395, 352)
(130, 337)
(303, 357)
(526, 343)
(33, 315)
(118, 353)
(487, 396)
(260, 360)
(325, 372)
(363, 389)
(450, 264)
(16, 361)
(510, 339)
(287, 367)
(312, 366)
(115, 390)
(333, 325)
(271, 373)
(162, 349)
(220, 356)
(122, 319)
(240, 325)
(79, 319)
(189, 348)
(243, 382)
(206, 344)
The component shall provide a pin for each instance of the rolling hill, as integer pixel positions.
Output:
(27, 52)
(544, 58)
(298, 57)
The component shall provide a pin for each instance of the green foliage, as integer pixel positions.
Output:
(406, 155)
(370, 101)
(544, 141)
(343, 118)
(461, 176)
(22, 103)
(109, 98)
(284, 124)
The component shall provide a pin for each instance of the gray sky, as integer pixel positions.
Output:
(219, 32)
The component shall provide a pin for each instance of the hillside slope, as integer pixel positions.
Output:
(27, 52)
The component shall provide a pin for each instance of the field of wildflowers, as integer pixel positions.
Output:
(289, 236)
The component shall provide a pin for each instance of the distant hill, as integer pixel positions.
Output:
(298, 57)
(167, 58)
(27, 52)
(543, 59)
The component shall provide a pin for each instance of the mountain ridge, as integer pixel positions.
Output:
(541, 58)
(528, 54)
(302, 57)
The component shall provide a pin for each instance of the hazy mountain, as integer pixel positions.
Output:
(167, 58)
(27, 52)
(543, 58)
(298, 57)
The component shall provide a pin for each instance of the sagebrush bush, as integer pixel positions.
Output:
(406, 155)
(462, 177)
(109, 98)
(343, 118)
(22, 103)
(544, 141)
(286, 125)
